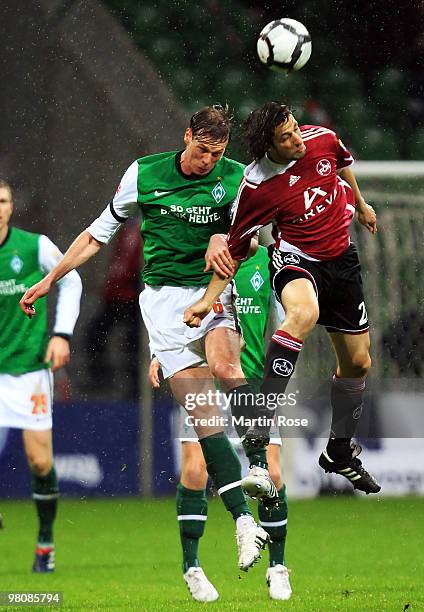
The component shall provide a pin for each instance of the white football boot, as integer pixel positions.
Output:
(199, 586)
(258, 485)
(277, 578)
(251, 538)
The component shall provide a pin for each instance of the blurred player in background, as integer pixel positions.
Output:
(184, 199)
(301, 181)
(255, 304)
(119, 308)
(27, 358)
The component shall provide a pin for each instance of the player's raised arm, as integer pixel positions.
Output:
(194, 315)
(218, 257)
(82, 249)
(365, 213)
(89, 242)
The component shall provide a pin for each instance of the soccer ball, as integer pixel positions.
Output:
(284, 45)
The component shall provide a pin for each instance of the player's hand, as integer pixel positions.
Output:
(218, 257)
(154, 368)
(58, 352)
(35, 292)
(368, 218)
(194, 315)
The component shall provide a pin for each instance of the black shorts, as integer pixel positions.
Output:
(337, 283)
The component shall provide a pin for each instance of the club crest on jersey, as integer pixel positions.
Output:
(291, 258)
(257, 281)
(293, 179)
(282, 367)
(324, 167)
(218, 192)
(16, 264)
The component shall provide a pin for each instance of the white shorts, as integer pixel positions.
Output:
(174, 344)
(186, 433)
(26, 400)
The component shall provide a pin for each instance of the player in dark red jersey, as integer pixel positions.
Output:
(300, 180)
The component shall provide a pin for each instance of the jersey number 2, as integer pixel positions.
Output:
(364, 316)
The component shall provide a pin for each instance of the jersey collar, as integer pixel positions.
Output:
(188, 177)
(264, 169)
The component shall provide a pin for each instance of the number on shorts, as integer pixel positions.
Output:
(364, 316)
(218, 308)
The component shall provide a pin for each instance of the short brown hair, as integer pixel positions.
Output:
(5, 185)
(212, 123)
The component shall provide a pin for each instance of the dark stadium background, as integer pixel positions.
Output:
(89, 86)
(86, 87)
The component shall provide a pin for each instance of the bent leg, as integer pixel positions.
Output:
(222, 348)
(222, 462)
(223, 355)
(353, 354)
(300, 304)
(347, 393)
(353, 363)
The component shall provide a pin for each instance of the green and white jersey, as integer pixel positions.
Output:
(179, 215)
(24, 260)
(254, 302)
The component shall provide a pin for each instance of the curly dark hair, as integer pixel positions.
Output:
(212, 123)
(258, 129)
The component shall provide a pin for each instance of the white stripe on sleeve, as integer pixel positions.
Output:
(69, 287)
(123, 206)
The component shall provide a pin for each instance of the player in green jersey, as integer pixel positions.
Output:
(184, 198)
(255, 305)
(27, 357)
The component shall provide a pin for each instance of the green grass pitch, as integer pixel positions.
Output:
(344, 554)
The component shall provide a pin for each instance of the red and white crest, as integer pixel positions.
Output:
(324, 167)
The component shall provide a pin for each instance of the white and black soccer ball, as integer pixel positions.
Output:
(284, 45)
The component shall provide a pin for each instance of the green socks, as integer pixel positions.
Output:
(45, 492)
(192, 512)
(224, 468)
(243, 408)
(256, 456)
(275, 523)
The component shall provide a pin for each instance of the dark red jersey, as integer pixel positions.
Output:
(310, 206)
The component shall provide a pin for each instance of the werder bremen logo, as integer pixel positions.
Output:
(257, 281)
(218, 192)
(16, 264)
